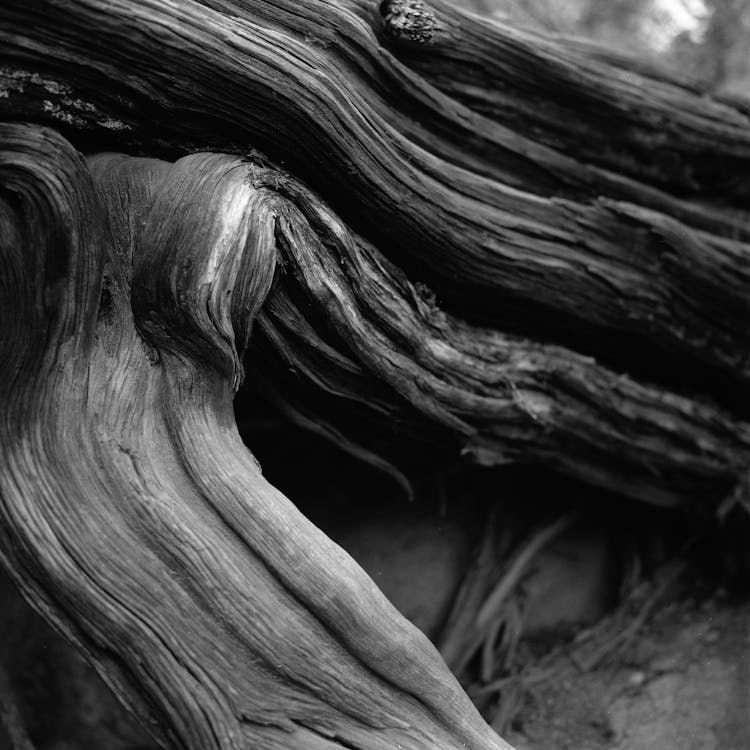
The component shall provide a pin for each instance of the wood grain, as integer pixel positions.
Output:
(133, 516)
(548, 229)
(517, 248)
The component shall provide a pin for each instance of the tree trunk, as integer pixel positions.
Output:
(518, 249)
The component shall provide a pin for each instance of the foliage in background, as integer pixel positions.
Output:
(708, 40)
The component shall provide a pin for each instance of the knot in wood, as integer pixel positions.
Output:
(409, 21)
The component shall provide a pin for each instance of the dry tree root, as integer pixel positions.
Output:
(500, 243)
(133, 516)
(119, 435)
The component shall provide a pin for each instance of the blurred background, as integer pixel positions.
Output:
(708, 40)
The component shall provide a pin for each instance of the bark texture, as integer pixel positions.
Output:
(610, 225)
(133, 514)
(516, 248)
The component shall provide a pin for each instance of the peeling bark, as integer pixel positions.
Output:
(504, 399)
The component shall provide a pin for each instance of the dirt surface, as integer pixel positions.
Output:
(682, 684)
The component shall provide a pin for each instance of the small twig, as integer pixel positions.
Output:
(589, 655)
(492, 605)
(460, 622)
(739, 498)
(487, 662)
(490, 611)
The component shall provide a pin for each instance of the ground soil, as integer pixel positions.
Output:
(683, 683)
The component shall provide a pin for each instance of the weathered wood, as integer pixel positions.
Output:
(494, 240)
(597, 106)
(503, 218)
(137, 520)
(133, 516)
(505, 399)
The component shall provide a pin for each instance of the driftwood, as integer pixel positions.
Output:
(517, 248)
